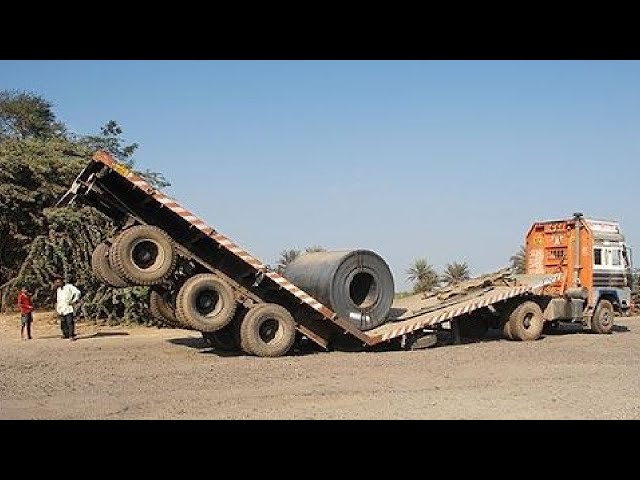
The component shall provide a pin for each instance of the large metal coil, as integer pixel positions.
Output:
(356, 284)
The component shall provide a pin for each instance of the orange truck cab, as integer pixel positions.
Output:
(595, 263)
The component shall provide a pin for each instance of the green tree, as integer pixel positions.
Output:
(111, 139)
(66, 248)
(27, 115)
(34, 173)
(455, 273)
(423, 276)
(38, 161)
(288, 256)
(518, 260)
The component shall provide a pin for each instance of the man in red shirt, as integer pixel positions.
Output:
(26, 312)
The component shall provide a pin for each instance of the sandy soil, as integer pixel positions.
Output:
(147, 373)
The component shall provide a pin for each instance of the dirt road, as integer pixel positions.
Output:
(115, 372)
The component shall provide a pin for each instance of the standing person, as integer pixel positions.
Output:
(26, 312)
(67, 295)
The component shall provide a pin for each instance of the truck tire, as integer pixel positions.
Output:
(474, 326)
(506, 331)
(526, 322)
(267, 330)
(162, 310)
(206, 303)
(143, 254)
(603, 317)
(102, 267)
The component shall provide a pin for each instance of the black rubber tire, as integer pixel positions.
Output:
(122, 250)
(474, 326)
(225, 304)
(526, 322)
(603, 318)
(101, 267)
(506, 331)
(252, 339)
(162, 310)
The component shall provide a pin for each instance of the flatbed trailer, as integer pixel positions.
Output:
(129, 200)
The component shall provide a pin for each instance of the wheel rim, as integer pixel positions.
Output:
(208, 303)
(147, 255)
(270, 330)
(605, 318)
(527, 321)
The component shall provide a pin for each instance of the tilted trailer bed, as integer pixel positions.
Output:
(128, 199)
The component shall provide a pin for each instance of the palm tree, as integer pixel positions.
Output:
(423, 276)
(518, 261)
(286, 257)
(455, 273)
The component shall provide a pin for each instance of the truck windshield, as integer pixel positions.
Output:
(615, 257)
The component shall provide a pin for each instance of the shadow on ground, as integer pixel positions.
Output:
(302, 348)
(103, 334)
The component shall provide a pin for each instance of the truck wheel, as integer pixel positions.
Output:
(162, 310)
(206, 303)
(267, 330)
(602, 320)
(506, 331)
(102, 267)
(474, 326)
(526, 322)
(143, 254)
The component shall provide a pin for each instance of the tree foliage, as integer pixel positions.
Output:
(34, 173)
(39, 160)
(455, 272)
(423, 276)
(288, 256)
(66, 249)
(27, 115)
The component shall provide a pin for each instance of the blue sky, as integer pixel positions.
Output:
(448, 160)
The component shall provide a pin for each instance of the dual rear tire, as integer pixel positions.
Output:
(524, 322)
(141, 255)
(265, 330)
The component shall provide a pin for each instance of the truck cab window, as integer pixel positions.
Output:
(597, 256)
(615, 258)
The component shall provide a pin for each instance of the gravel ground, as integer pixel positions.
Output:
(147, 373)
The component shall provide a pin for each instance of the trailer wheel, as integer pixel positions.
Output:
(267, 330)
(474, 326)
(602, 320)
(206, 303)
(526, 321)
(506, 331)
(143, 254)
(102, 267)
(162, 310)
